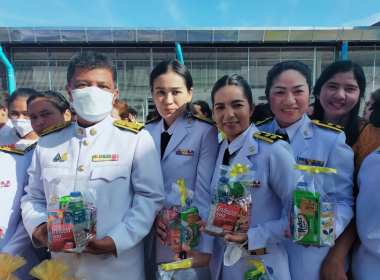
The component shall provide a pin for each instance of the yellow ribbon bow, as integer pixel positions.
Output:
(9, 264)
(177, 265)
(315, 169)
(182, 190)
(238, 169)
(51, 270)
(260, 268)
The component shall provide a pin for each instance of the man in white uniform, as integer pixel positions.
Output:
(129, 189)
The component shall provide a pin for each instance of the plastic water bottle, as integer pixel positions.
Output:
(223, 190)
(75, 208)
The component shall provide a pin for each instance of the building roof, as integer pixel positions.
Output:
(65, 35)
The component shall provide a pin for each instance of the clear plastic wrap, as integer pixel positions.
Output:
(230, 210)
(312, 217)
(180, 270)
(71, 214)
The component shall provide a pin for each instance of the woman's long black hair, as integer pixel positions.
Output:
(351, 128)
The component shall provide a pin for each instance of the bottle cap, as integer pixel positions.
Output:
(75, 194)
(223, 180)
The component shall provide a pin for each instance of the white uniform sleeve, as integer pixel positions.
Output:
(147, 182)
(19, 241)
(342, 159)
(33, 204)
(205, 169)
(368, 204)
(282, 179)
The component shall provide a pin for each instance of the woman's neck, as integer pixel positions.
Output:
(337, 120)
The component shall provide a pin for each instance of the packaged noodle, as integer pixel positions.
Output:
(313, 207)
(71, 214)
(180, 217)
(230, 210)
(180, 270)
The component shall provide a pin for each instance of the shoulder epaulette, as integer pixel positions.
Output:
(151, 121)
(128, 125)
(263, 122)
(271, 138)
(206, 120)
(56, 127)
(31, 147)
(18, 151)
(378, 150)
(328, 125)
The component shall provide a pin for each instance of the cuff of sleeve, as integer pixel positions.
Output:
(31, 225)
(120, 240)
(207, 242)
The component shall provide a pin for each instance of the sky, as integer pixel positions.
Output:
(189, 13)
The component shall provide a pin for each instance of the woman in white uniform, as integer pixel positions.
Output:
(13, 177)
(288, 93)
(6, 127)
(272, 160)
(366, 256)
(187, 145)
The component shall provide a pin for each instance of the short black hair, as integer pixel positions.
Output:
(21, 93)
(91, 60)
(4, 97)
(281, 67)
(132, 111)
(56, 98)
(205, 109)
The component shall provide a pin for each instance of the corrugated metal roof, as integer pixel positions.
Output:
(116, 35)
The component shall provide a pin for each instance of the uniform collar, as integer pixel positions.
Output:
(238, 142)
(172, 127)
(94, 130)
(291, 130)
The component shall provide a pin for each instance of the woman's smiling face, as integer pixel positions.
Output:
(289, 97)
(339, 94)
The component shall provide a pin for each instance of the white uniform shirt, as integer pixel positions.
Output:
(129, 191)
(7, 129)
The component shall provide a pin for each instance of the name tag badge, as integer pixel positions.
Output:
(5, 184)
(309, 161)
(110, 157)
(185, 152)
(59, 158)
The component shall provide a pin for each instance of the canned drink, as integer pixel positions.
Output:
(176, 236)
(327, 225)
(168, 217)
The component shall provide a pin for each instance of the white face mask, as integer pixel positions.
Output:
(233, 253)
(92, 103)
(22, 126)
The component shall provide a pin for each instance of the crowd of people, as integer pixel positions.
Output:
(45, 137)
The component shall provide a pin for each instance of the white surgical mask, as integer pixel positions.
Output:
(233, 253)
(23, 126)
(92, 103)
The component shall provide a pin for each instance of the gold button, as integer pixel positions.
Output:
(86, 142)
(93, 132)
(251, 149)
(189, 121)
(306, 132)
(80, 168)
(223, 241)
(80, 131)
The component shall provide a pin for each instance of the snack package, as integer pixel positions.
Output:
(71, 214)
(180, 270)
(313, 208)
(180, 217)
(230, 210)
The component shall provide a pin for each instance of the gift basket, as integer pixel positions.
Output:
(180, 270)
(180, 216)
(312, 217)
(230, 210)
(71, 214)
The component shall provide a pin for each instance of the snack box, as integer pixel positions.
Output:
(60, 230)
